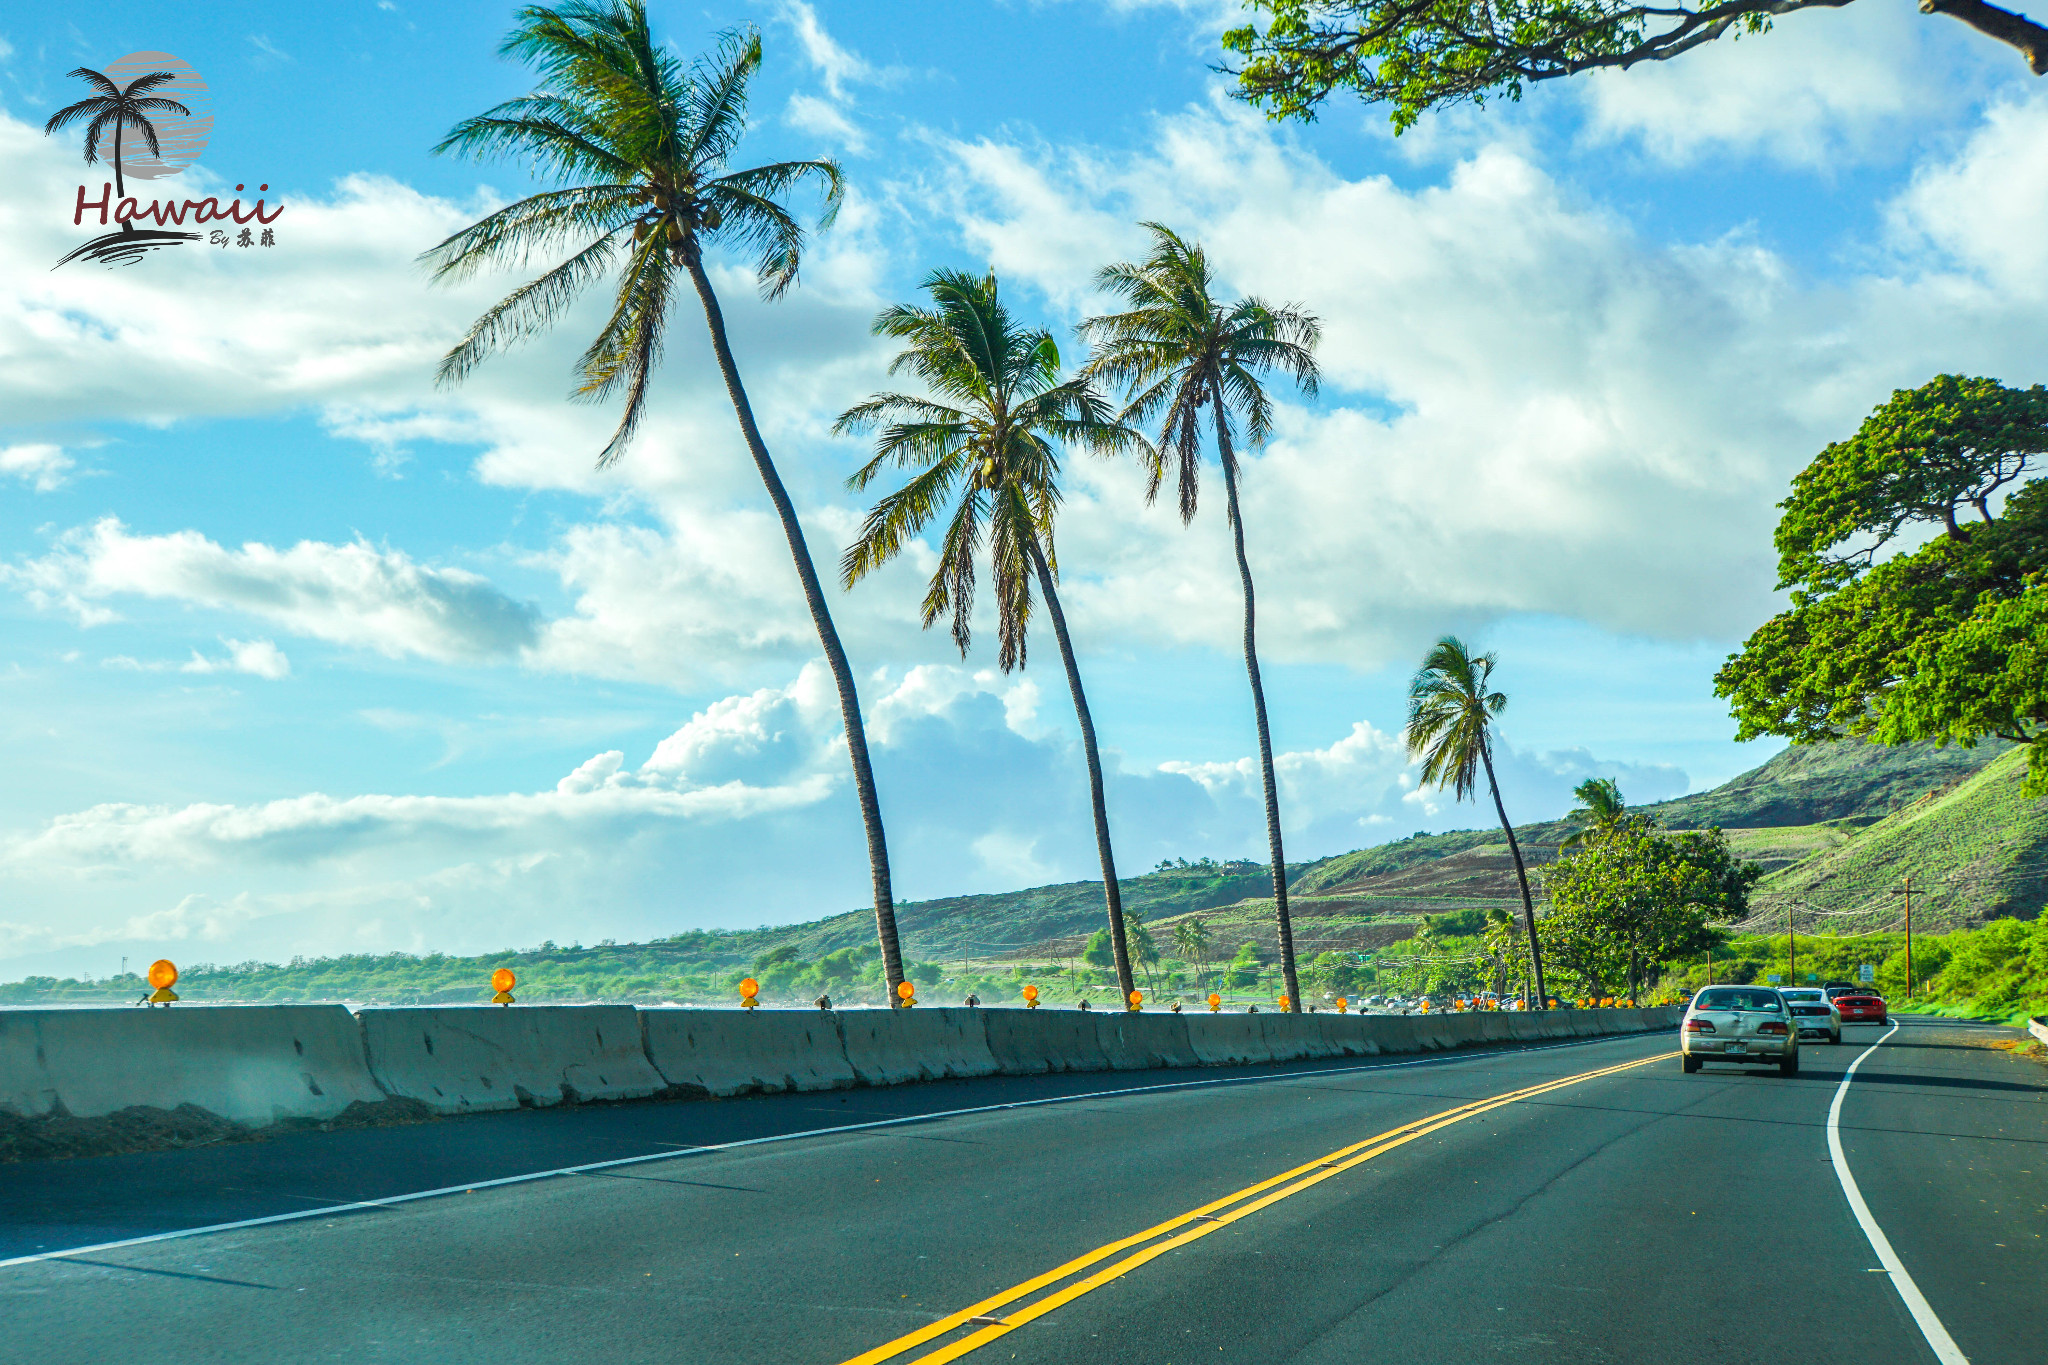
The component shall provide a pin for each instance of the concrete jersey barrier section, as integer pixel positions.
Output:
(743, 1052)
(889, 1047)
(259, 1064)
(253, 1064)
(458, 1060)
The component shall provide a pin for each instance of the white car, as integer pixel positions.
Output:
(1814, 1013)
(1743, 1024)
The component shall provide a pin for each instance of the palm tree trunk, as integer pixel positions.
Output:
(1542, 1000)
(828, 635)
(1251, 668)
(1112, 894)
(120, 186)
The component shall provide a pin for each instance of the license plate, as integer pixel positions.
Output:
(1738, 1047)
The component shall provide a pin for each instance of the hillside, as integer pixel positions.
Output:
(1977, 850)
(1813, 784)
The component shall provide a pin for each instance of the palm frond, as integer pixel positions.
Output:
(527, 310)
(95, 80)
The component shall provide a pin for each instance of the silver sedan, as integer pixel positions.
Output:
(1746, 1024)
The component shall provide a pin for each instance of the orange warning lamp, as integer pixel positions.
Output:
(1285, 1004)
(1425, 1004)
(1215, 1002)
(1031, 997)
(502, 981)
(1137, 1000)
(163, 974)
(1341, 1003)
(749, 988)
(907, 993)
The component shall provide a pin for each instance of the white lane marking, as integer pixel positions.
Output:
(1944, 1345)
(388, 1201)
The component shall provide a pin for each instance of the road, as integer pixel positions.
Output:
(1613, 1209)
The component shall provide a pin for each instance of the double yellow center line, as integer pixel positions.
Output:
(1161, 1238)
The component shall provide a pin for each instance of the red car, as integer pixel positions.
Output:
(1862, 1009)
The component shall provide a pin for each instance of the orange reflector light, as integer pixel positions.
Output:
(750, 988)
(1137, 997)
(163, 973)
(1031, 992)
(904, 990)
(503, 980)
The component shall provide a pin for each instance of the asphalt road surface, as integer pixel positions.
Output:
(1586, 1202)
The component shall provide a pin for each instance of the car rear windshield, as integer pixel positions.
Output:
(1725, 999)
(1804, 995)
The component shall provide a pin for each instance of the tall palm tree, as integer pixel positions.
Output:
(987, 439)
(117, 107)
(1450, 718)
(644, 144)
(1600, 809)
(1180, 351)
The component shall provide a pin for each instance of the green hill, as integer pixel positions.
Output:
(1813, 784)
(1976, 850)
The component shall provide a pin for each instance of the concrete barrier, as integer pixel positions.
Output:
(1142, 1042)
(459, 1060)
(1227, 1039)
(889, 1047)
(253, 1064)
(2038, 1026)
(1032, 1042)
(744, 1052)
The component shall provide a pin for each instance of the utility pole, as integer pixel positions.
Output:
(1791, 945)
(1909, 936)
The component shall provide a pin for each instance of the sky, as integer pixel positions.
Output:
(301, 655)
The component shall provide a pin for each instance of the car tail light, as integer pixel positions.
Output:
(1770, 1028)
(1698, 1026)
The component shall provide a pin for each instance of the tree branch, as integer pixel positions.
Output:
(2017, 29)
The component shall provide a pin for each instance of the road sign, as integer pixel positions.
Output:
(1774, 978)
(1866, 973)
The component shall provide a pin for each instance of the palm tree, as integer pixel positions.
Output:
(989, 440)
(1179, 350)
(117, 107)
(1450, 714)
(1191, 936)
(1600, 810)
(645, 142)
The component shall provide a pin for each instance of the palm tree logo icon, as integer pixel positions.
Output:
(150, 114)
(119, 108)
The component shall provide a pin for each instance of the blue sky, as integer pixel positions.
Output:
(303, 656)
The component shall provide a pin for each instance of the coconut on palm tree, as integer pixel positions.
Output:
(642, 144)
(1450, 720)
(1193, 361)
(1600, 810)
(982, 446)
(117, 107)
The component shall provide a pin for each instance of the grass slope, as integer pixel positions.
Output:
(1976, 851)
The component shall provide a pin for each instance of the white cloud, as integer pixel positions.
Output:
(1983, 210)
(838, 68)
(974, 796)
(41, 464)
(1821, 88)
(258, 657)
(349, 594)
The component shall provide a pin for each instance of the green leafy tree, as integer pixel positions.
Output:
(117, 107)
(1243, 970)
(1633, 897)
(1599, 810)
(987, 439)
(1419, 55)
(1942, 642)
(1334, 974)
(1191, 361)
(644, 144)
(1450, 719)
